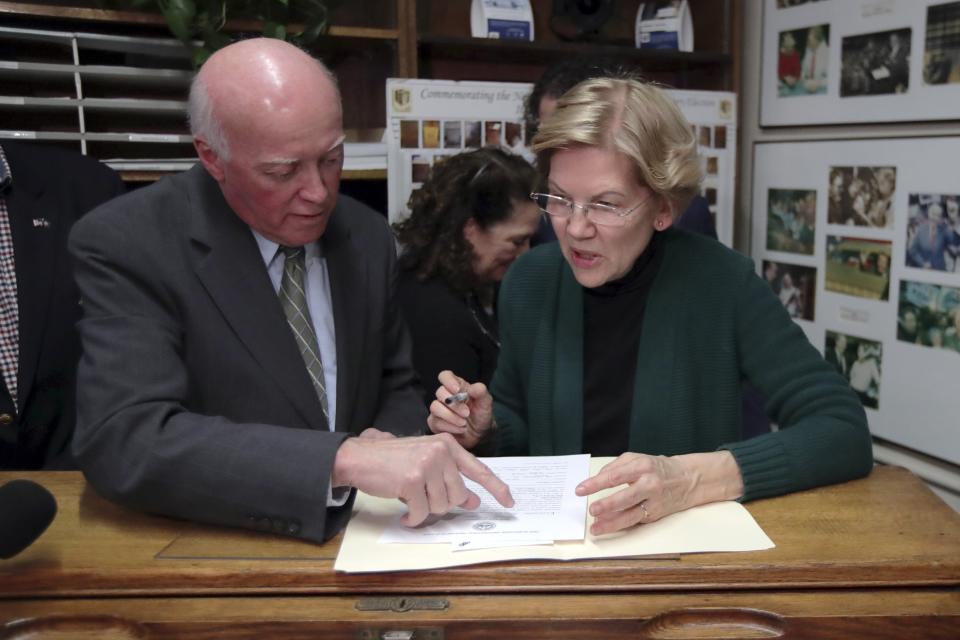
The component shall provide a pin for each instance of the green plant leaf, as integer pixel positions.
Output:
(199, 55)
(214, 40)
(190, 20)
(179, 15)
(314, 15)
(275, 30)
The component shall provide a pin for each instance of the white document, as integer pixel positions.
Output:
(720, 526)
(546, 508)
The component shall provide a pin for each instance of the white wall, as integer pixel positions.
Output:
(943, 478)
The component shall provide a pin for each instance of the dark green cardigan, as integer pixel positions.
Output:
(710, 322)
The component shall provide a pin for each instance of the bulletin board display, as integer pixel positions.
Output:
(860, 240)
(831, 62)
(430, 120)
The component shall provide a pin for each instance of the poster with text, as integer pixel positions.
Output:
(428, 120)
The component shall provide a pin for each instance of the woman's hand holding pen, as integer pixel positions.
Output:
(462, 409)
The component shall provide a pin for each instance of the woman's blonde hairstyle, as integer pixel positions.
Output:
(636, 118)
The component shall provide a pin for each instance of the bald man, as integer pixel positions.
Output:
(240, 324)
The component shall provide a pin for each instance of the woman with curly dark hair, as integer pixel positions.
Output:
(469, 221)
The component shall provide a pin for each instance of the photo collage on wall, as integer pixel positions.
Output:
(429, 121)
(853, 265)
(433, 141)
(832, 55)
(928, 313)
(711, 140)
(860, 241)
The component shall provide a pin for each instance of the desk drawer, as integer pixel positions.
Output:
(923, 613)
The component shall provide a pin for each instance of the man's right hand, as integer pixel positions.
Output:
(422, 472)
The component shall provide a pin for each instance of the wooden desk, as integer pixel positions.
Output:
(875, 558)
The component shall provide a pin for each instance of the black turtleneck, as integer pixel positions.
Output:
(613, 321)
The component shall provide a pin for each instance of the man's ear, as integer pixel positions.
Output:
(209, 158)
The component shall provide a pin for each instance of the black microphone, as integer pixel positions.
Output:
(26, 510)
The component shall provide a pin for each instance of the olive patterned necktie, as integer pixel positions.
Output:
(293, 299)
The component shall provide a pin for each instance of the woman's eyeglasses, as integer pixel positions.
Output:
(600, 214)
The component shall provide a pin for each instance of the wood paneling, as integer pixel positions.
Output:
(880, 554)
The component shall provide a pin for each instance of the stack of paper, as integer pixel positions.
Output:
(546, 509)
(547, 522)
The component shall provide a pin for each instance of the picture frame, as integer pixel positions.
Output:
(893, 284)
(831, 62)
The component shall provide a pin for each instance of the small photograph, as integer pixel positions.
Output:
(704, 139)
(875, 64)
(712, 165)
(472, 133)
(929, 315)
(493, 134)
(791, 220)
(933, 232)
(941, 54)
(794, 285)
(711, 195)
(720, 137)
(409, 134)
(803, 61)
(419, 168)
(431, 134)
(452, 134)
(859, 361)
(858, 267)
(513, 133)
(862, 196)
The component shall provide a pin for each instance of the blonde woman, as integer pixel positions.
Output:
(630, 338)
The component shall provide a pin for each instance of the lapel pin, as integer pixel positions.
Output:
(41, 222)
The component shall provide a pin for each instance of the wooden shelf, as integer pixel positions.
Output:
(521, 51)
(149, 19)
(365, 174)
(116, 81)
(153, 176)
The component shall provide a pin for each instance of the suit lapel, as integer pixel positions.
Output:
(36, 257)
(231, 269)
(348, 281)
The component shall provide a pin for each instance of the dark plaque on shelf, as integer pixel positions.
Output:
(580, 19)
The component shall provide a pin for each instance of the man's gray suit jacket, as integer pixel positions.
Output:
(193, 400)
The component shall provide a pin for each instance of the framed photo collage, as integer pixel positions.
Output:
(860, 240)
(838, 61)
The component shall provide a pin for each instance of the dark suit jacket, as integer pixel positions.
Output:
(51, 188)
(446, 332)
(193, 398)
(697, 218)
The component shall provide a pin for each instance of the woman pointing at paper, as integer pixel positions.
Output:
(630, 336)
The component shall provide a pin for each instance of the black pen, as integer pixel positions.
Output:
(457, 398)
